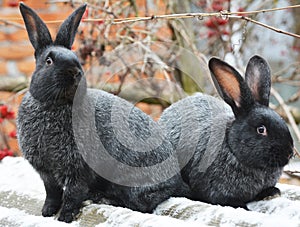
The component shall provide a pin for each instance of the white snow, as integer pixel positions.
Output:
(17, 175)
(19, 180)
(124, 217)
(21, 218)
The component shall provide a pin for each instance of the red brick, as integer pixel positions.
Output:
(3, 68)
(16, 51)
(19, 35)
(2, 36)
(27, 66)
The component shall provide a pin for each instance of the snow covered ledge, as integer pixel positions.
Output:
(22, 195)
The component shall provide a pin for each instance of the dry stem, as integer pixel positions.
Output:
(223, 14)
(288, 114)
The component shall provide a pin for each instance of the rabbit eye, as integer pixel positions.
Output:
(262, 130)
(49, 61)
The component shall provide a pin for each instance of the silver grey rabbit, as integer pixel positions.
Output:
(230, 152)
(86, 143)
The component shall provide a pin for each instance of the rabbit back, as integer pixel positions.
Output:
(112, 134)
(191, 122)
(197, 127)
(230, 153)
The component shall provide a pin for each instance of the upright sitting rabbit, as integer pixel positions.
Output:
(73, 156)
(230, 154)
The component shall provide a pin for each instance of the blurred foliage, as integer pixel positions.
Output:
(162, 61)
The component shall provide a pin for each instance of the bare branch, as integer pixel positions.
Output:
(222, 14)
(6, 22)
(266, 26)
(294, 97)
(287, 112)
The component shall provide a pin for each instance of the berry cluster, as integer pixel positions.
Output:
(216, 25)
(6, 114)
(6, 152)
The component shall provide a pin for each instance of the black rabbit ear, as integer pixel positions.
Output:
(258, 78)
(231, 86)
(38, 32)
(67, 31)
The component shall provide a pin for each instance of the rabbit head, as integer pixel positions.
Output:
(258, 137)
(58, 70)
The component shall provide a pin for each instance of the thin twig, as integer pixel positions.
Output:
(6, 22)
(222, 14)
(287, 112)
(288, 82)
(294, 97)
(268, 10)
(196, 14)
(293, 174)
(292, 171)
(14, 96)
(266, 26)
(285, 69)
(296, 152)
(227, 15)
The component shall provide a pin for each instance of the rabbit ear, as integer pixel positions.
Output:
(38, 32)
(67, 31)
(231, 86)
(258, 78)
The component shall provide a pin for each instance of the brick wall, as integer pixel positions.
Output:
(16, 52)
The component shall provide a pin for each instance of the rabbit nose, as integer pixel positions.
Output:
(77, 74)
(74, 72)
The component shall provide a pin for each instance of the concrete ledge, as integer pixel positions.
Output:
(22, 195)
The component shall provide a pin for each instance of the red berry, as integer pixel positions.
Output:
(241, 9)
(13, 3)
(10, 115)
(214, 22)
(2, 154)
(99, 22)
(211, 23)
(10, 153)
(1, 120)
(211, 33)
(3, 111)
(296, 48)
(13, 134)
(217, 6)
(6, 152)
(221, 21)
(224, 32)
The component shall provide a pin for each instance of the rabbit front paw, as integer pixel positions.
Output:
(50, 207)
(68, 215)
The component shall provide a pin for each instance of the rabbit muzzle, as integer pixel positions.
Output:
(281, 156)
(72, 76)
